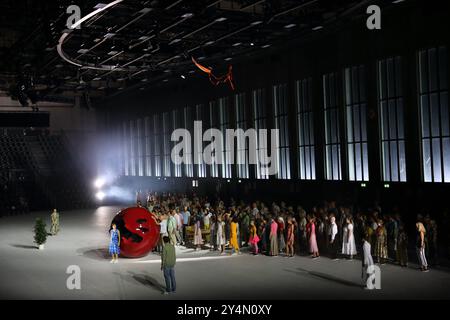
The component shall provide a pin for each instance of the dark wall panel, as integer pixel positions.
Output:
(24, 119)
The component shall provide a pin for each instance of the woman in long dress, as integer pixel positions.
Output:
(348, 239)
(198, 240)
(381, 243)
(311, 231)
(233, 236)
(281, 239)
(114, 243)
(220, 234)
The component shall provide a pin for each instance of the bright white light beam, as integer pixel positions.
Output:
(99, 182)
(100, 195)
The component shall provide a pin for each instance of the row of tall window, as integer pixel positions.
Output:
(343, 112)
(434, 114)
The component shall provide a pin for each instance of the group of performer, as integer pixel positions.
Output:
(339, 232)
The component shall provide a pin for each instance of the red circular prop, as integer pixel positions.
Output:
(138, 230)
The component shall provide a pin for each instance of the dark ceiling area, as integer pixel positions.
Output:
(133, 44)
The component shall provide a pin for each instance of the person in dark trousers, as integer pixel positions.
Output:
(168, 260)
(333, 238)
(186, 222)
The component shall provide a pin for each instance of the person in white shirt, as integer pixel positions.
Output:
(255, 210)
(172, 227)
(178, 231)
(162, 231)
(206, 223)
(186, 222)
(206, 218)
(332, 238)
(367, 260)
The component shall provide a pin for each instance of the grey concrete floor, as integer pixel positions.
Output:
(28, 273)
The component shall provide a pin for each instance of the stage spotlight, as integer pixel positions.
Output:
(100, 195)
(99, 182)
(183, 76)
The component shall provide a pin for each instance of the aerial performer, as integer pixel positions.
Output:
(228, 77)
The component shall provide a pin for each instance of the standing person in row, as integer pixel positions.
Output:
(281, 239)
(302, 236)
(245, 224)
(273, 236)
(172, 227)
(234, 236)
(254, 239)
(220, 234)
(381, 243)
(262, 231)
(179, 229)
(348, 242)
(213, 233)
(392, 237)
(332, 238)
(311, 231)
(290, 237)
(402, 247)
(420, 247)
(198, 239)
(431, 250)
(206, 223)
(186, 222)
(162, 231)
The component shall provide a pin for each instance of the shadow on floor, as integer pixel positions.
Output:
(143, 279)
(326, 277)
(96, 253)
(23, 246)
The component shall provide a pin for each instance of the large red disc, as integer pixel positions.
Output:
(138, 230)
